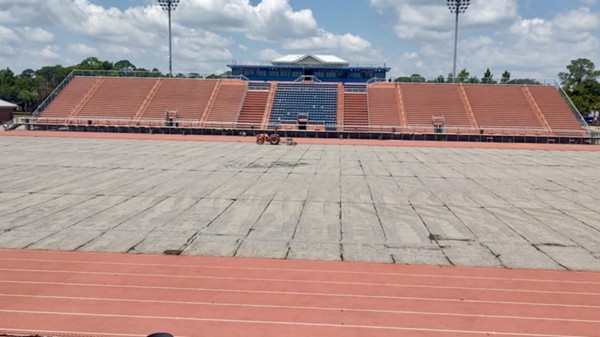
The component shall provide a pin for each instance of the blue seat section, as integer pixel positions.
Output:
(266, 86)
(315, 101)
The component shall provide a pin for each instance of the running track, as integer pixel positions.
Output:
(96, 294)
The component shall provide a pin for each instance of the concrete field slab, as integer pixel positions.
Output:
(419, 205)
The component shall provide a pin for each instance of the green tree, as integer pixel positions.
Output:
(488, 77)
(505, 77)
(409, 79)
(439, 79)
(93, 63)
(27, 94)
(528, 81)
(124, 65)
(580, 70)
(417, 78)
(8, 90)
(463, 76)
(28, 100)
(403, 79)
(586, 96)
(48, 78)
(581, 84)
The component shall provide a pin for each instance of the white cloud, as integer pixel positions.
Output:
(268, 55)
(83, 49)
(204, 31)
(7, 35)
(269, 21)
(582, 19)
(432, 20)
(50, 52)
(492, 34)
(326, 41)
(7, 51)
(37, 34)
(536, 47)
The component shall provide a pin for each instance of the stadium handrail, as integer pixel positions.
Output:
(479, 81)
(185, 123)
(236, 77)
(376, 80)
(307, 78)
(571, 105)
(119, 73)
(52, 95)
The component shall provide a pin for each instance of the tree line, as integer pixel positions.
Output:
(464, 76)
(31, 87)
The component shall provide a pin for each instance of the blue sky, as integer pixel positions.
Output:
(530, 38)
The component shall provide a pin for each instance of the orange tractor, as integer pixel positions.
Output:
(273, 138)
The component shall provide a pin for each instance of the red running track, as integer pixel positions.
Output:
(52, 293)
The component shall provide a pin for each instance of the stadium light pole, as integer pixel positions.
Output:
(169, 6)
(457, 7)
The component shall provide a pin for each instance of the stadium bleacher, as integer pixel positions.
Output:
(501, 106)
(380, 107)
(555, 111)
(423, 102)
(187, 97)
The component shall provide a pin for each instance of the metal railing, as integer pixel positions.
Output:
(413, 129)
(436, 80)
(52, 95)
(119, 73)
(571, 105)
(308, 78)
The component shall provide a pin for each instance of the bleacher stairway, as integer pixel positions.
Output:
(227, 103)
(383, 103)
(254, 106)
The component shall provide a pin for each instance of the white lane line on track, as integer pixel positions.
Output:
(346, 283)
(295, 293)
(77, 333)
(325, 271)
(272, 306)
(324, 325)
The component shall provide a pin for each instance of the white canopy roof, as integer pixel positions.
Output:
(5, 104)
(309, 59)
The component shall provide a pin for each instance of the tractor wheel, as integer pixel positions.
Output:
(260, 140)
(274, 139)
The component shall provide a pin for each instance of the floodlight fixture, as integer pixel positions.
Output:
(169, 6)
(457, 7)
